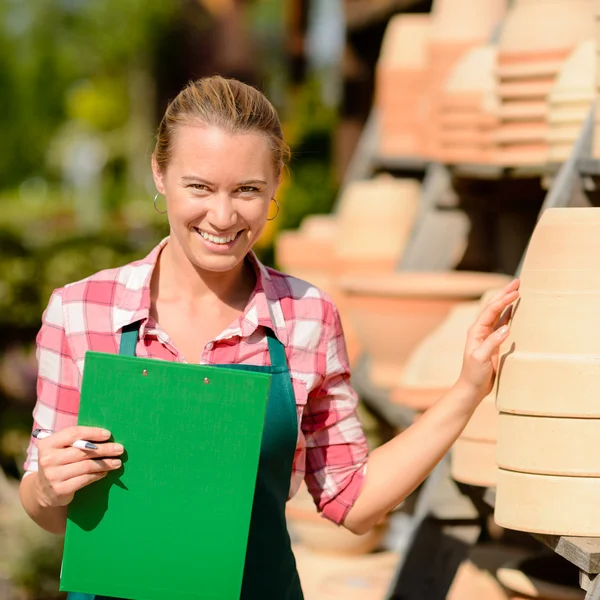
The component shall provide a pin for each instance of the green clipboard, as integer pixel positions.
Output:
(173, 522)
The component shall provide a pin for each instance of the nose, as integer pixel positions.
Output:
(222, 213)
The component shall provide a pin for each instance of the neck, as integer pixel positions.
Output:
(175, 276)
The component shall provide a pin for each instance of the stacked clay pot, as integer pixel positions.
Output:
(549, 383)
(435, 364)
(596, 139)
(570, 100)
(321, 535)
(457, 26)
(375, 220)
(473, 456)
(367, 235)
(393, 313)
(468, 109)
(400, 81)
(537, 36)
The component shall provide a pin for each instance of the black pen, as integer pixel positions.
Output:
(40, 434)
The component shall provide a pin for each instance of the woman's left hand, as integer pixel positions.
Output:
(480, 362)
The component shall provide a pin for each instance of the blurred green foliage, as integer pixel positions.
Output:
(72, 67)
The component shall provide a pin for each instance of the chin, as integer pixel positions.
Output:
(217, 264)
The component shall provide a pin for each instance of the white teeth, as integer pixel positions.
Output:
(217, 240)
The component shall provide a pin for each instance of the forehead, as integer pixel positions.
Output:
(211, 148)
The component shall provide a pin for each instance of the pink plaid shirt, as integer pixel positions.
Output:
(331, 451)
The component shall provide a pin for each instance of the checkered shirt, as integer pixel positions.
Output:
(331, 450)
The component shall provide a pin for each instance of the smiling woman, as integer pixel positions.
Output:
(201, 296)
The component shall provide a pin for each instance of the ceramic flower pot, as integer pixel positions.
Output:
(435, 364)
(550, 504)
(392, 314)
(474, 462)
(362, 244)
(463, 20)
(549, 382)
(559, 25)
(321, 535)
(483, 425)
(562, 446)
(400, 84)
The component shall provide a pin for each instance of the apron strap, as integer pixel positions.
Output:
(129, 337)
(276, 350)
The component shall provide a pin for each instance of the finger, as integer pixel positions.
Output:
(67, 456)
(490, 314)
(76, 483)
(86, 467)
(505, 317)
(490, 345)
(65, 437)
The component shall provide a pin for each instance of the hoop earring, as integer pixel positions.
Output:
(160, 212)
(277, 205)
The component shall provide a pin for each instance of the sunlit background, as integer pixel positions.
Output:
(425, 135)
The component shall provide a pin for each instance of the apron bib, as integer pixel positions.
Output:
(270, 568)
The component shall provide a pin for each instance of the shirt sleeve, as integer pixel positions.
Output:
(336, 446)
(58, 380)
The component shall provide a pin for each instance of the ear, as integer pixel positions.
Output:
(157, 174)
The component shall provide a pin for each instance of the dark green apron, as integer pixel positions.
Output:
(270, 570)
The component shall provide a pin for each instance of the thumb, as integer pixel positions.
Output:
(489, 346)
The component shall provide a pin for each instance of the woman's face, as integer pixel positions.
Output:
(218, 187)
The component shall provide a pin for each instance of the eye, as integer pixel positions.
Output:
(248, 189)
(198, 186)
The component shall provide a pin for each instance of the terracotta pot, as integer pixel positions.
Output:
(549, 445)
(550, 577)
(521, 154)
(528, 69)
(364, 206)
(523, 111)
(577, 75)
(533, 88)
(483, 425)
(474, 462)
(521, 132)
(401, 80)
(463, 20)
(559, 25)
(416, 398)
(474, 583)
(321, 535)
(405, 43)
(548, 503)
(436, 362)
(572, 113)
(393, 313)
(298, 253)
(552, 375)
(359, 581)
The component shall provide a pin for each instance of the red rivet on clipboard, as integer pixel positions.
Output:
(206, 380)
(144, 372)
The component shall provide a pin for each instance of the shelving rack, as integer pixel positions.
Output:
(431, 554)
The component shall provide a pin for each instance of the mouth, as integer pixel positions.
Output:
(218, 240)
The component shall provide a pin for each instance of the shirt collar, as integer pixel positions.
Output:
(263, 308)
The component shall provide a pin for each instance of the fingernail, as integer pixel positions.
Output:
(504, 330)
(106, 432)
(118, 448)
(115, 463)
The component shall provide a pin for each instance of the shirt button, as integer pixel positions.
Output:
(210, 346)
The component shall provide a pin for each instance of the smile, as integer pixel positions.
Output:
(216, 239)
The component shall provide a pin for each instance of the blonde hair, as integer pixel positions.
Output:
(225, 103)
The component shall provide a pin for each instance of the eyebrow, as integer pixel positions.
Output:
(199, 179)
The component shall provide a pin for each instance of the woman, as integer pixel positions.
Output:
(201, 296)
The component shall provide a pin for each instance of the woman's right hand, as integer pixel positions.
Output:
(62, 469)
